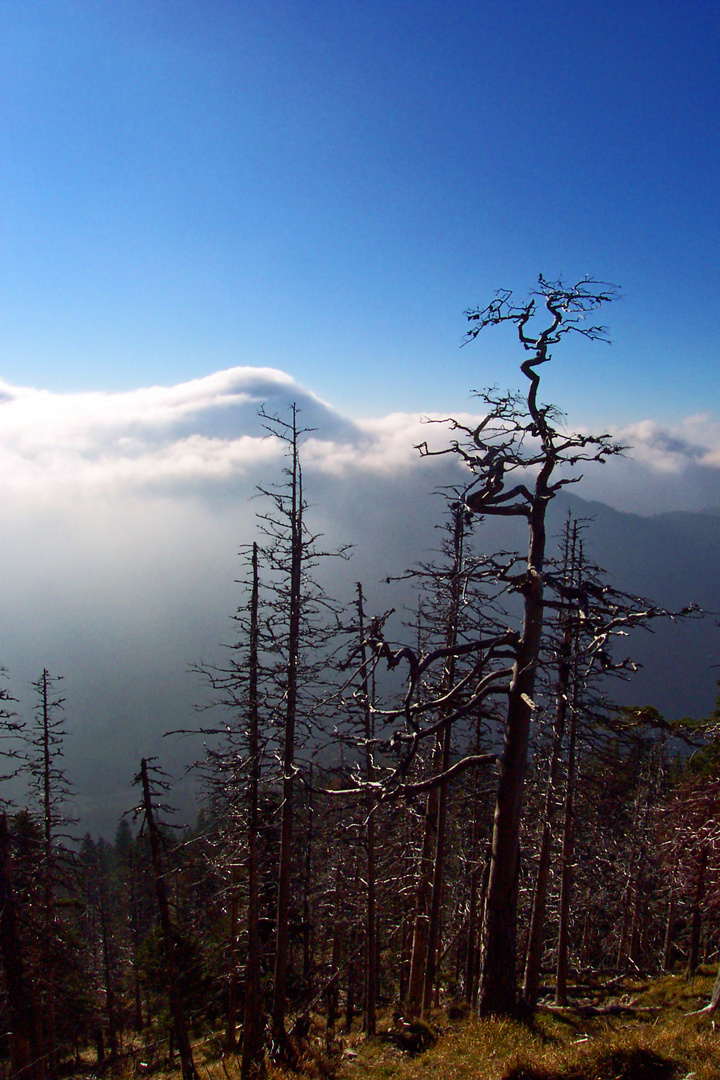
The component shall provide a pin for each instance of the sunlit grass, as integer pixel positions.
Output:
(659, 1040)
(503, 1050)
(650, 1037)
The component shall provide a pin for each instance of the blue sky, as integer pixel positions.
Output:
(191, 185)
(232, 203)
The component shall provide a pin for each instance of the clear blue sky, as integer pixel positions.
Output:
(324, 187)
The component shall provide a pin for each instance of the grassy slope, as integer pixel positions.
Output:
(656, 1041)
(644, 1045)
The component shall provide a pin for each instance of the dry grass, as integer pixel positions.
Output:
(656, 1041)
(503, 1050)
(660, 1041)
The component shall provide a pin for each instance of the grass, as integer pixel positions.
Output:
(657, 1040)
(499, 1050)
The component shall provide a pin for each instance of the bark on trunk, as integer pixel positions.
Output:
(423, 900)
(669, 922)
(433, 938)
(135, 931)
(231, 1013)
(110, 1006)
(333, 990)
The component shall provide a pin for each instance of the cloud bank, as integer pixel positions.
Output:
(205, 434)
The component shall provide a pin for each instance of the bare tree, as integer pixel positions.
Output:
(371, 948)
(51, 789)
(299, 619)
(253, 1060)
(290, 559)
(26, 1058)
(519, 457)
(566, 666)
(169, 934)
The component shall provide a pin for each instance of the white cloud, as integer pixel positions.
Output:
(203, 430)
(666, 467)
(203, 435)
(695, 440)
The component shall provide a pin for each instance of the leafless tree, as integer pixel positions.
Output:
(520, 458)
(177, 1009)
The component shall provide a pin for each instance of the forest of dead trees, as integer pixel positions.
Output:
(399, 808)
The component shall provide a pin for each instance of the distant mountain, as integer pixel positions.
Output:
(672, 559)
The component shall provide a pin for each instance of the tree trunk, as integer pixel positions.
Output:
(135, 929)
(459, 522)
(284, 874)
(168, 932)
(371, 952)
(567, 856)
(471, 957)
(231, 1013)
(533, 958)
(433, 937)
(696, 919)
(49, 1033)
(26, 1060)
(498, 982)
(536, 933)
(715, 996)
(630, 889)
(110, 1005)
(333, 990)
(406, 926)
(423, 900)
(253, 1060)
(669, 922)
(476, 901)
(307, 943)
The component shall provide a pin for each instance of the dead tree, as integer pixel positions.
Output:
(520, 456)
(299, 620)
(169, 934)
(566, 664)
(24, 1039)
(26, 1058)
(294, 512)
(460, 522)
(233, 773)
(253, 1027)
(371, 949)
(51, 789)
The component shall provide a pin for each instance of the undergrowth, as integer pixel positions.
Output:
(647, 1034)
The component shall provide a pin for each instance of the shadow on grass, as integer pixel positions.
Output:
(633, 1064)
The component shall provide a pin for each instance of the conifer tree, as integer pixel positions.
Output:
(51, 790)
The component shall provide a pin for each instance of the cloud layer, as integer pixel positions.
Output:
(206, 433)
